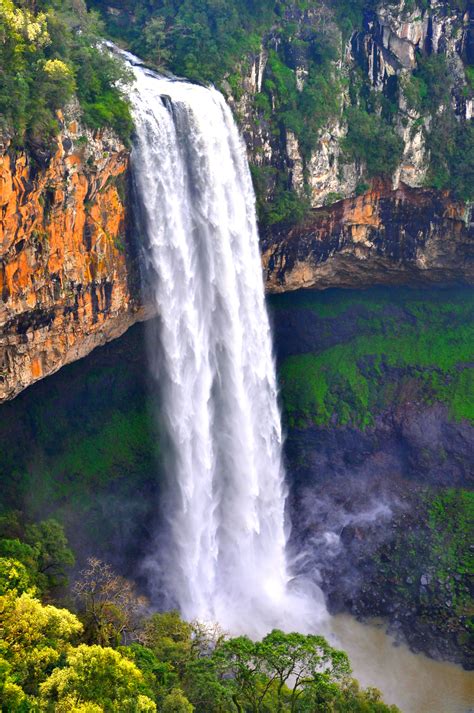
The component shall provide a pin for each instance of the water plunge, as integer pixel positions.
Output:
(224, 508)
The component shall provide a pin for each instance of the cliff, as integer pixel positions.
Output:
(409, 65)
(66, 272)
(69, 275)
(405, 236)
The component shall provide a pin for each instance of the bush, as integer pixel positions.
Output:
(371, 141)
(48, 54)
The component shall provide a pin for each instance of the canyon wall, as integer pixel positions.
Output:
(67, 274)
(405, 236)
(68, 269)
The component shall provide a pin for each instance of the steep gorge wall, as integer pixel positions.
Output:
(67, 277)
(68, 271)
(375, 66)
(405, 236)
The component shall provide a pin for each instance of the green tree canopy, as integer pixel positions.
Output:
(98, 676)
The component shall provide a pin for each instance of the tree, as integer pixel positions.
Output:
(170, 639)
(100, 677)
(176, 702)
(370, 140)
(47, 49)
(14, 577)
(204, 688)
(52, 553)
(58, 83)
(33, 637)
(110, 606)
(41, 547)
(12, 696)
(154, 36)
(280, 672)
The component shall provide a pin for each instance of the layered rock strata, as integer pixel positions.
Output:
(66, 278)
(386, 237)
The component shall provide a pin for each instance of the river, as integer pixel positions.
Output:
(413, 682)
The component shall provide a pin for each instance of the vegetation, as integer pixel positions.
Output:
(40, 549)
(373, 142)
(451, 144)
(48, 55)
(199, 39)
(425, 352)
(97, 475)
(52, 659)
(211, 41)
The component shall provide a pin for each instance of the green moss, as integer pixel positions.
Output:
(119, 449)
(426, 350)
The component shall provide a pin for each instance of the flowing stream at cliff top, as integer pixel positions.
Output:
(225, 555)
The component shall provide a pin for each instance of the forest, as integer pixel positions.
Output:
(106, 652)
(50, 54)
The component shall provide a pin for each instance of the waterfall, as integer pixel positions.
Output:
(223, 557)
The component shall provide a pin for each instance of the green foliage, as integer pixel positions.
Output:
(281, 671)
(100, 676)
(430, 84)
(176, 702)
(99, 74)
(41, 548)
(14, 577)
(48, 53)
(169, 637)
(352, 381)
(286, 206)
(349, 13)
(159, 675)
(52, 554)
(178, 667)
(85, 472)
(469, 69)
(451, 144)
(372, 141)
(33, 637)
(199, 39)
(154, 38)
(452, 156)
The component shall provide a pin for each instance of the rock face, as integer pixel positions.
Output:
(385, 237)
(383, 54)
(66, 273)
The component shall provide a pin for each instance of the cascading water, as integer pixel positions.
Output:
(225, 500)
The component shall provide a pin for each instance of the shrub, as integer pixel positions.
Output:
(371, 141)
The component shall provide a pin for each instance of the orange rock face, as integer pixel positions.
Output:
(407, 236)
(64, 268)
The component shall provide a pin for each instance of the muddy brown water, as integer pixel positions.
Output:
(413, 682)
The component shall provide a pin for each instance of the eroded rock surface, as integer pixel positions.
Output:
(66, 275)
(385, 237)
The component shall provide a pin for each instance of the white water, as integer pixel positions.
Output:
(225, 500)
